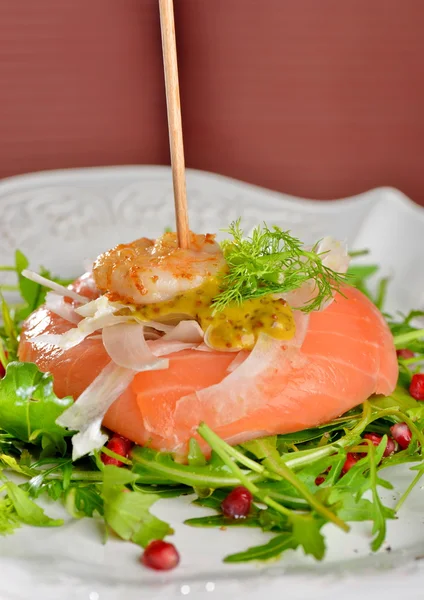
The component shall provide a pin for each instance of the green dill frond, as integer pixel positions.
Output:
(272, 261)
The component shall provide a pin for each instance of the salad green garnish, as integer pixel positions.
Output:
(296, 479)
(272, 261)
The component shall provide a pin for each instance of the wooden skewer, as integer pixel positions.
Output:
(175, 129)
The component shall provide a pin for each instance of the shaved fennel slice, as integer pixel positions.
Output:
(76, 335)
(99, 306)
(57, 305)
(56, 287)
(154, 325)
(130, 354)
(89, 438)
(241, 392)
(185, 331)
(86, 414)
(127, 347)
(204, 348)
(97, 314)
(335, 256)
(239, 360)
(100, 314)
(301, 320)
(162, 347)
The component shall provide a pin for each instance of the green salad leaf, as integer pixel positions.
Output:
(271, 550)
(9, 520)
(32, 293)
(361, 276)
(127, 512)
(29, 407)
(27, 510)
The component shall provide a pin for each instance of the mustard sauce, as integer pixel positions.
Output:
(236, 326)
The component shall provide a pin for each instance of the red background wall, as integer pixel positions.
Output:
(316, 98)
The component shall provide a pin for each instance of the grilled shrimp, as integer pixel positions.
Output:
(147, 271)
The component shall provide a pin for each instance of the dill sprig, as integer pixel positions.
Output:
(272, 261)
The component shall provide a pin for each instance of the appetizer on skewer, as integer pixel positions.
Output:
(258, 337)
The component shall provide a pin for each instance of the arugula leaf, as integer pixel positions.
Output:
(358, 276)
(282, 491)
(158, 467)
(11, 463)
(27, 511)
(195, 457)
(84, 500)
(8, 334)
(221, 521)
(405, 326)
(305, 528)
(350, 508)
(272, 550)
(306, 532)
(271, 520)
(53, 489)
(265, 448)
(213, 501)
(33, 293)
(381, 293)
(262, 447)
(29, 406)
(127, 512)
(9, 520)
(381, 512)
(358, 480)
(400, 399)
(164, 491)
(9, 444)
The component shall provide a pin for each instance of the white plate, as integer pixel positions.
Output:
(61, 218)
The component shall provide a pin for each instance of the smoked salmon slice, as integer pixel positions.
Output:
(347, 356)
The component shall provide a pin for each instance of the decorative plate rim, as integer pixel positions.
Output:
(50, 177)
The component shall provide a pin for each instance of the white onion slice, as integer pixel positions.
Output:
(127, 348)
(56, 287)
(86, 414)
(57, 305)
